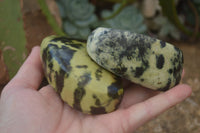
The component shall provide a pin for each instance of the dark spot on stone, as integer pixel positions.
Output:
(111, 44)
(105, 32)
(177, 62)
(78, 95)
(62, 55)
(142, 51)
(45, 57)
(84, 80)
(82, 66)
(99, 51)
(177, 49)
(50, 65)
(120, 71)
(61, 39)
(162, 44)
(98, 74)
(98, 110)
(46, 61)
(170, 71)
(59, 77)
(80, 90)
(160, 60)
(166, 87)
(113, 90)
(139, 71)
(142, 80)
(97, 101)
(178, 78)
(129, 57)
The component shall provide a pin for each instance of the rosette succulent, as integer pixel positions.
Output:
(130, 18)
(166, 28)
(78, 16)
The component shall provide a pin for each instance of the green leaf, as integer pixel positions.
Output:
(12, 36)
(50, 18)
(130, 18)
(169, 10)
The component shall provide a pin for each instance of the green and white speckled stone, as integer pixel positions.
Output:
(144, 60)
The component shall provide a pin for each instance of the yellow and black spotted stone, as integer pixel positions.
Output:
(81, 83)
(144, 60)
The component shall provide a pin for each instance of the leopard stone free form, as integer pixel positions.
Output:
(144, 60)
(79, 81)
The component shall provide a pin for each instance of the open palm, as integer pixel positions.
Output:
(24, 109)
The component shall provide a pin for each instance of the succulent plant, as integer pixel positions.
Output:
(129, 18)
(78, 16)
(166, 28)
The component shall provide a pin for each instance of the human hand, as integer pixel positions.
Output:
(24, 109)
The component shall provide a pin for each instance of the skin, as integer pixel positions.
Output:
(25, 109)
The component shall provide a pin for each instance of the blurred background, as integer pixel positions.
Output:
(24, 23)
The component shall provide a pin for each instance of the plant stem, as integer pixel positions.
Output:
(50, 18)
(123, 4)
(169, 10)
